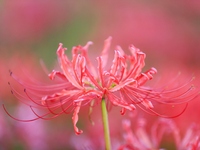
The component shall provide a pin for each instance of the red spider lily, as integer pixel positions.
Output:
(153, 139)
(33, 140)
(14, 62)
(143, 23)
(28, 21)
(83, 84)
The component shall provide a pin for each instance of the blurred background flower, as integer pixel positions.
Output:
(163, 134)
(168, 32)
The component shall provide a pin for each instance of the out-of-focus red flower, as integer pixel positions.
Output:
(81, 83)
(33, 134)
(27, 21)
(192, 113)
(163, 28)
(179, 75)
(16, 62)
(140, 137)
(6, 137)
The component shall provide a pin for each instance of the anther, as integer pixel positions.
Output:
(10, 72)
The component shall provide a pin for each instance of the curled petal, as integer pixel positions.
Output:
(75, 118)
(144, 77)
(58, 73)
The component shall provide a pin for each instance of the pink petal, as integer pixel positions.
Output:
(75, 118)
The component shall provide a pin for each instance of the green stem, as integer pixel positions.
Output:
(105, 125)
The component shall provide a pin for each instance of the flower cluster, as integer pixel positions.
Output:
(140, 138)
(81, 83)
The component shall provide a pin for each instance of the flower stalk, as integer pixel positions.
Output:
(105, 125)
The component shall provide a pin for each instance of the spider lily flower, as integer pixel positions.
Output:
(153, 22)
(146, 139)
(37, 20)
(82, 84)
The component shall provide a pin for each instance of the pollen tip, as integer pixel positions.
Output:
(60, 44)
(193, 78)
(109, 38)
(24, 90)
(90, 43)
(10, 72)
(8, 83)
